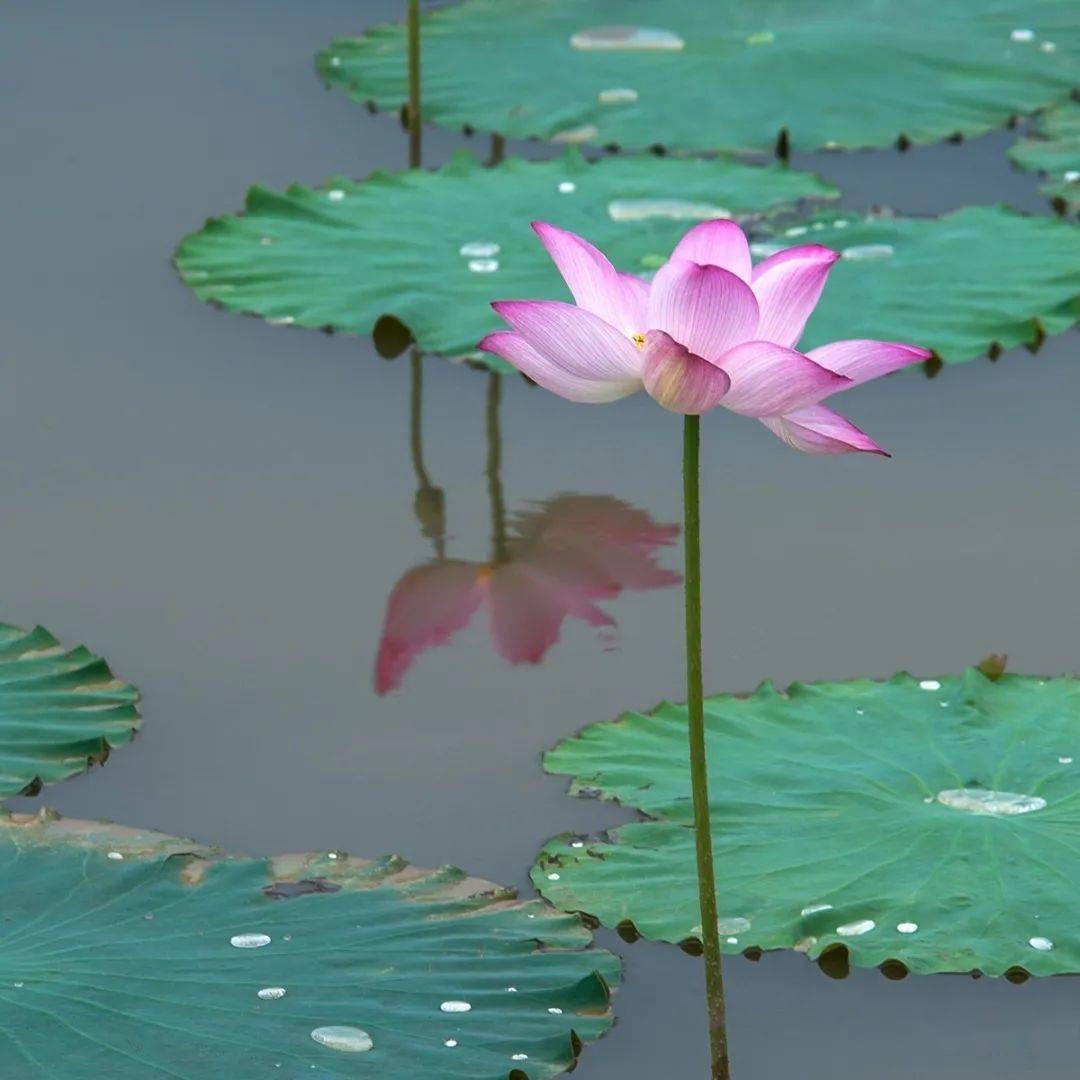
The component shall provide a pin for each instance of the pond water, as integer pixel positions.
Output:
(221, 508)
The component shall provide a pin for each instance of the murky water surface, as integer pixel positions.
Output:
(222, 508)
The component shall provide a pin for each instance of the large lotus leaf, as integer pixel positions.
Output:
(1054, 148)
(697, 76)
(434, 249)
(61, 710)
(128, 954)
(978, 280)
(926, 825)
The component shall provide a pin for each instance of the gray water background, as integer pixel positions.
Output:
(221, 507)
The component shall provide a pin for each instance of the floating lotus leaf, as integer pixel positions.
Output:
(128, 954)
(1054, 149)
(978, 280)
(61, 710)
(928, 826)
(693, 76)
(434, 249)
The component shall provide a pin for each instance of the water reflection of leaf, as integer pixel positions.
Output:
(561, 558)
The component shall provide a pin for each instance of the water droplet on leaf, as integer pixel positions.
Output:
(875, 251)
(617, 95)
(668, 209)
(479, 249)
(349, 1040)
(991, 803)
(249, 941)
(626, 39)
(857, 928)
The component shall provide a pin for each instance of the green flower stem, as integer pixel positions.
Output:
(494, 469)
(699, 773)
(414, 84)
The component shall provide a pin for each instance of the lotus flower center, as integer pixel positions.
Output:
(638, 340)
(483, 573)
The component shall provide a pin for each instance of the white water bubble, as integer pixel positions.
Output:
(335, 195)
(455, 1007)
(1022, 35)
(271, 993)
(483, 266)
(567, 187)
(929, 684)
(1043, 944)
(907, 927)
(116, 856)
(813, 909)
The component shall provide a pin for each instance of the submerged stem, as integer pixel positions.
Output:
(429, 503)
(416, 403)
(494, 469)
(414, 84)
(699, 776)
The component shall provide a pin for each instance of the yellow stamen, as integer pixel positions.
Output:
(483, 573)
(638, 340)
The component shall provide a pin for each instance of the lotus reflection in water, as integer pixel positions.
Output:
(560, 560)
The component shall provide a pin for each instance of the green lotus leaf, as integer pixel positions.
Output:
(693, 76)
(981, 279)
(930, 826)
(61, 710)
(1053, 148)
(128, 954)
(434, 249)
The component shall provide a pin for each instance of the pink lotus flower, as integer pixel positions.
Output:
(709, 329)
(563, 557)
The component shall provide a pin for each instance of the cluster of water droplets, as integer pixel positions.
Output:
(1025, 36)
(481, 256)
